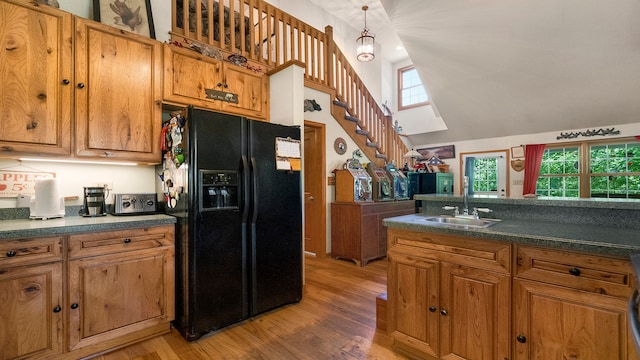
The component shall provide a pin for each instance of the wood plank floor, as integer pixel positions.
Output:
(336, 319)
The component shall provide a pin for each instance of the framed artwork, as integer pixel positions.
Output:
(130, 15)
(441, 152)
(517, 151)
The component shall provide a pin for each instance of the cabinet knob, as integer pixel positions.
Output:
(127, 240)
(574, 271)
(226, 86)
(521, 339)
(74, 306)
(444, 312)
(432, 308)
(11, 253)
(66, 81)
(219, 84)
(80, 85)
(57, 309)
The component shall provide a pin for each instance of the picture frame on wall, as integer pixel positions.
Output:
(517, 152)
(129, 15)
(441, 152)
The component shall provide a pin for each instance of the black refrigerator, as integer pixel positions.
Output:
(239, 229)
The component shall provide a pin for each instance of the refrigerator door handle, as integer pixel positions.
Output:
(254, 181)
(245, 188)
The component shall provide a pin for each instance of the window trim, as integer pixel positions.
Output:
(400, 88)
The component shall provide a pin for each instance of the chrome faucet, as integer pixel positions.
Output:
(465, 196)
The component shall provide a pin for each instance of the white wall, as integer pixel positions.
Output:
(73, 177)
(501, 143)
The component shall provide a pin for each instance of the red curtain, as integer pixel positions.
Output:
(532, 160)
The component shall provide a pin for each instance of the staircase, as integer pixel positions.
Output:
(269, 38)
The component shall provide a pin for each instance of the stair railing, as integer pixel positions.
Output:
(268, 38)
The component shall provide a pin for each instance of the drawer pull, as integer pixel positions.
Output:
(11, 253)
(444, 312)
(57, 309)
(521, 339)
(432, 308)
(574, 271)
(127, 240)
(74, 306)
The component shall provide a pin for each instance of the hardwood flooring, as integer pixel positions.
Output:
(336, 319)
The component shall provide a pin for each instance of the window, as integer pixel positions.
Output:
(608, 170)
(485, 175)
(487, 172)
(410, 90)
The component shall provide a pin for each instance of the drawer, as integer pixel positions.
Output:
(588, 272)
(478, 253)
(30, 251)
(106, 242)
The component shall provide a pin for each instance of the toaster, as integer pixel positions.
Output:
(134, 204)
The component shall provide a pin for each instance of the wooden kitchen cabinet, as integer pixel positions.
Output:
(571, 306)
(121, 286)
(118, 92)
(188, 75)
(31, 296)
(449, 297)
(37, 75)
(357, 232)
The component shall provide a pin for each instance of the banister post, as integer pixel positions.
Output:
(328, 58)
(390, 141)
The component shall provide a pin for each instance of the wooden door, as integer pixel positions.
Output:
(315, 224)
(31, 311)
(115, 295)
(118, 94)
(557, 323)
(36, 73)
(475, 313)
(413, 311)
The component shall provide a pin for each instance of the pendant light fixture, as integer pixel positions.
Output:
(365, 43)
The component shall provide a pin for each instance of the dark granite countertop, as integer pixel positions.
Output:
(578, 237)
(21, 228)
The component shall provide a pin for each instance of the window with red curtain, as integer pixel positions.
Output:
(532, 160)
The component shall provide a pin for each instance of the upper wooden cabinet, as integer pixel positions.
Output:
(118, 94)
(188, 75)
(37, 76)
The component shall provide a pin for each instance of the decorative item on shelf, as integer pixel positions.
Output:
(237, 59)
(396, 127)
(340, 146)
(206, 50)
(52, 3)
(132, 15)
(366, 42)
(413, 155)
(600, 132)
(436, 163)
(355, 153)
(311, 105)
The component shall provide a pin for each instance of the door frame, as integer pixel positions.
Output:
(319, 179)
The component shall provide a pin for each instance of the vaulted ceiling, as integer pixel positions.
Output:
(501, 67)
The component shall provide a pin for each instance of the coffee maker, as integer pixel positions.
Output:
(94, 202)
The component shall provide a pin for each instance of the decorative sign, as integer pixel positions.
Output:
(221, 95)
(594, 132)
(15, 182)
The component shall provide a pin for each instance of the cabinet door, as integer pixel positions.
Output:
(413, 304)
(115, 295)
(35, 95)
(31, 311)
(556, 323)
(252, 90)
(118, 94)
(188, 76)
(475, 313)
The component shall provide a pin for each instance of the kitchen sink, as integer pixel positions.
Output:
(460, 221)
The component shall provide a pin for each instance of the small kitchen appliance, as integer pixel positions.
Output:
(94, 202)
(400, 183)
(380, 183)
(353, 183)
(134, 204)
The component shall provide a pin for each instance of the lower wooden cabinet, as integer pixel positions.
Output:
(451, 297)
(357, 232)
(31, 311)
(441, 305)
(115, 288)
